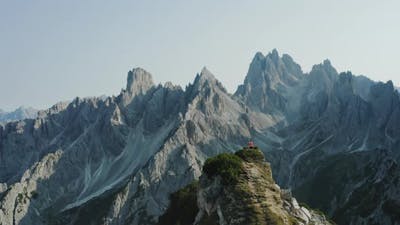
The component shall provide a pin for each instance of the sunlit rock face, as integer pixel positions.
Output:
(115, 160)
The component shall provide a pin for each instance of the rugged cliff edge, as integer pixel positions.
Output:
(237, 189)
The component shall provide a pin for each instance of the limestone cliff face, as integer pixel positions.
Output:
(250, 198)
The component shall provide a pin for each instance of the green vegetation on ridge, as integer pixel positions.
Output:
(226, 165)
(229, 166)
(247, 195)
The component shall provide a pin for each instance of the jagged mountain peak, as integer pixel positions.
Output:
(390, 84)
(382, 89)
(139, 81)
(274, 69)
(258, 56)
(346, 81)
(326, 66)
(169, 85)
(273, 55)
(274, 59)
(346, 77)
(267, 80)
(56, 108)
(323, 75)
(327, 62)
(206, 79)
(205, 75)
(288, 60)
(205, 71)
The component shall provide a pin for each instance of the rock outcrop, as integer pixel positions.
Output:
(252, 197)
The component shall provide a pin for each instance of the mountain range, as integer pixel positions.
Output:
(332, 138)
(18, 114)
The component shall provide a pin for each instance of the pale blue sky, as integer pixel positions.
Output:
(56, 50)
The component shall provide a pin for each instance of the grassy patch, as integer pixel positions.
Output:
(20, 198)
(251, 155)
(273, 219)
(228, 166)
(34, 194)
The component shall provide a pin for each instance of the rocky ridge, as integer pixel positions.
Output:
(253, 199)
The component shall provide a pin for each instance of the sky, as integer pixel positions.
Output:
(53, 51)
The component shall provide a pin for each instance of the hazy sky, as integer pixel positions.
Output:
(56, 50)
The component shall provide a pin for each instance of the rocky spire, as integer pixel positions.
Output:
(267, 78)
(204, 76)
(206, 79)
(139, 81)
(322, 76)
(274, 55)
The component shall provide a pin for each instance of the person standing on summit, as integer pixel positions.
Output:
(250, 145)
